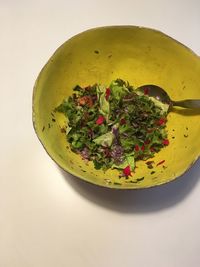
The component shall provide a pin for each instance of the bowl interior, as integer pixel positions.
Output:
(140, 56)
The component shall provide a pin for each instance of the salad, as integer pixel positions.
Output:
(114, 126)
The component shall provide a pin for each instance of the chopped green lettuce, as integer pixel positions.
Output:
(105, 139)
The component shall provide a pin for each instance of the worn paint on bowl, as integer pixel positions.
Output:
(140, 56)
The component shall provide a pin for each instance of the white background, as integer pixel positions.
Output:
(51, 219)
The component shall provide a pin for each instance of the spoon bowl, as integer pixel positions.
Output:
(161, 95)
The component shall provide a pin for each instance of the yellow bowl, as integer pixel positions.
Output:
(140, 56)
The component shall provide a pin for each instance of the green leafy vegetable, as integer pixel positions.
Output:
(105, 139)
(114, 126)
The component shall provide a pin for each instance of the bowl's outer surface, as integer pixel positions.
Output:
(140, 56)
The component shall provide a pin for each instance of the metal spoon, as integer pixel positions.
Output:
(160, 94)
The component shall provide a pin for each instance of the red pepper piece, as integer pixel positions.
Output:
(137, 148)
(127, 171)
(161, 162)
(165, 142)
(122, 121)
(161, 121)
(107, 93)
(100, 120)
(146, 91)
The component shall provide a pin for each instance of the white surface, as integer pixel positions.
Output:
(48, 219)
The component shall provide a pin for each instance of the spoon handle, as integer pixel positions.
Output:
(189, 103)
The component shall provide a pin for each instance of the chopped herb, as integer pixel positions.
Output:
(140, 179)
(150, 162)
(114, 126)
(116, 183)
(63, 130)
(150, 166)
(131, 181)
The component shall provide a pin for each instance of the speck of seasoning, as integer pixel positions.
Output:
(150, 162)
(183, 87)
(173, 137)
(96, 51)
(185, 135)
(83, 171)
(116, 183)
(173, 130)
(43, 128)
(53, 119)
(150, 166)
(109, 56)
(164, 167)
(131, 181)
(52, 114)
(186, 128)
(140, 179)
(49, 125)
(185, 146)
(152, 172)
(63, 130)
